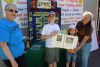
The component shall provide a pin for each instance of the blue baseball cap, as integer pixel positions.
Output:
(52, 12)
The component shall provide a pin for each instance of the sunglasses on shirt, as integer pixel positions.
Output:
(11, 10)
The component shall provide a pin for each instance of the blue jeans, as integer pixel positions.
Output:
(83, 55)
(71, 57)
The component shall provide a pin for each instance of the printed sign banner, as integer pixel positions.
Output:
(71, 10)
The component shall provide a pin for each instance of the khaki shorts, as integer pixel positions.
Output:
(52, 55)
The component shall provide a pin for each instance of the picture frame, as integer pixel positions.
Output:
(64, 41)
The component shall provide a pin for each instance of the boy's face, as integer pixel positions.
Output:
(52, 18)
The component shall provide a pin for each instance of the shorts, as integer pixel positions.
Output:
(71, 57)
(52, 55)
(20, 60)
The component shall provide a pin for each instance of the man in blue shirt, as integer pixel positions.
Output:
(11, 38)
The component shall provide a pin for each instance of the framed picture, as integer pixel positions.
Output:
(57, 41)
(70, 42)
(64, 41)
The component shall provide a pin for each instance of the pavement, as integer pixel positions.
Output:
(94, 60)
(2, 64)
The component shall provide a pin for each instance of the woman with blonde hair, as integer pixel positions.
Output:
(84, 28)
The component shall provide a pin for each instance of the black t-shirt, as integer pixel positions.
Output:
(84, 30)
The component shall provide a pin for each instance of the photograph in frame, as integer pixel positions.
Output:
(64, 41)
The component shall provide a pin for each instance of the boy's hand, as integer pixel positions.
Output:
(53, 34)
(27, 45)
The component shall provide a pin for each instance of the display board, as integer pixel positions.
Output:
(38, 11)
(37, 19)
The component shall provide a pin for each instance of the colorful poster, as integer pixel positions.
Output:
(37, 19)
(21, 19)
(71, 10)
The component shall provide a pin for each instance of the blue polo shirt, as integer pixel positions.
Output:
(12, 35)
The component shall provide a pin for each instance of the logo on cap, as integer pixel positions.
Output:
(52, 12)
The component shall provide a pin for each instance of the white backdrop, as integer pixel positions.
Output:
(94, 37)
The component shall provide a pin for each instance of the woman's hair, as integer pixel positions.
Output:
(89, 14)
(89, 26)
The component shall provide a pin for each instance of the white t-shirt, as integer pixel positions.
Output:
(47, 29)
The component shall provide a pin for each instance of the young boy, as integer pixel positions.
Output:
(49, 30)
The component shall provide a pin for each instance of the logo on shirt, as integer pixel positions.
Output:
(14, 27)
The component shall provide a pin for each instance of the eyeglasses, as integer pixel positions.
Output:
(11, 10)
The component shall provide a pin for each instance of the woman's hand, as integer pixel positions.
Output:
(74, 50)
(14, 64)
(77, 49)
